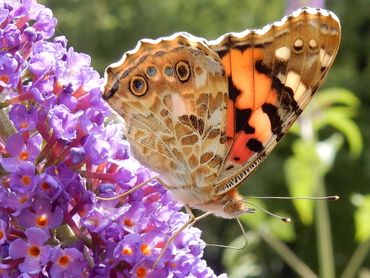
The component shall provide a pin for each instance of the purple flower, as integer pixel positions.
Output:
(68, 262)
(95, 220)
(20, 151)
(34, 251)
(42, 64)
(292, 5)
(63, 123)
(48, 186)
(97, 149)
(63, 155)
(127, 249)
(41, 215)
(45, 23)
(135, 218)
(15, 201)
(23, 180)
(10, 37)
(23, 119)
(3, 231)
(9, 70)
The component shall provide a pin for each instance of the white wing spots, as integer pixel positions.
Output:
(200, 77)
(179, 106)
(292, 80)
(312, 43)
(298, 46)
(283, 53)
(300, 91)
(325, 58)
(281, 77)
(298, 43)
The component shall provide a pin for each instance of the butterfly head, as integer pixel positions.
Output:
(228, 205)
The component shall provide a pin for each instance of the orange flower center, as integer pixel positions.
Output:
(94, 221)
(145, 249)
(42, 220)
(45, 186)
(128, 222)
(64, 260)
(24, 155)
(127, 251)
(34, 251)
(26, 180)
(22, 200)
(1, 234)
(141, 272)
(23, 125)
(4, 78)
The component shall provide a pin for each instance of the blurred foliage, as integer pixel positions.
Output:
(107, 28)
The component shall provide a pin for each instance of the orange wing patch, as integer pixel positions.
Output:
(248, 124)
(254, 87)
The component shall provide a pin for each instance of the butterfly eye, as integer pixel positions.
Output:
(151, 71)
(298, 46)
(138, 86)
(168, 70)
(312, 43)
(198, 70)
(183, 71)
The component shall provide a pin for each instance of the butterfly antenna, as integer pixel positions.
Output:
(234, 247)
(287, 219)
(328, 198)
(284, 219)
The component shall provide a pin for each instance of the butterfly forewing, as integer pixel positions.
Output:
(272, 73)
(172, 94)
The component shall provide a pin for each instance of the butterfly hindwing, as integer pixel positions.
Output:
(272, 74)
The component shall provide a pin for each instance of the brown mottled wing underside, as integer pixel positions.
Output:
(272, 73)
(172, 94)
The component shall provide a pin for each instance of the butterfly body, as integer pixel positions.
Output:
(205, 114)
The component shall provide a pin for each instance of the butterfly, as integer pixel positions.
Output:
(204, 114)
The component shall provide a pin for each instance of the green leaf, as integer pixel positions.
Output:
(243, 263)
(256, 219)
(352, 133)
(328, 149)
(284, 231)
(261, 220)
(301, 171)
(336, 95)
(362, 216)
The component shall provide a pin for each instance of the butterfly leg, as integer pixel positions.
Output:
(234, 247)
(191, 221)
(133, 189)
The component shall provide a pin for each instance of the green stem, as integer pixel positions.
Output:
(6, 126)
(357, 259)
(323, 234)
(288, 256)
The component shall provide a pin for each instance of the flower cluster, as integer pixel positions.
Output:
(61, 155)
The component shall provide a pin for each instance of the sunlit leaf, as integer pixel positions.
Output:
(332, 96)
(284, 231)
(243, 263)
(362, 216)
(301, 171)
(328, 149)
(352, 133)
(256, 219)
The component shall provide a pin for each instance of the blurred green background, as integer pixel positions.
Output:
(105, 29)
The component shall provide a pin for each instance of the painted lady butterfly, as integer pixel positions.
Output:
(204, 114)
